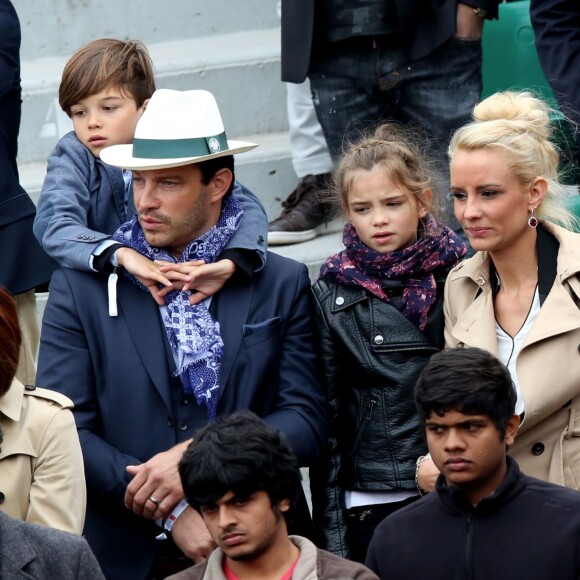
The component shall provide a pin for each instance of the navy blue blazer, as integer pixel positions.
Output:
(118, 372)
(24, 265)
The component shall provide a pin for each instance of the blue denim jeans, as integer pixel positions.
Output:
(358, 83)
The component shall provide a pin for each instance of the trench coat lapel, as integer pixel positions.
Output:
(559, 314)
(476, 327)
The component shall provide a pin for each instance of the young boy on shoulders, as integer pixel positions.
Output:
(486, 519)
(105, 88)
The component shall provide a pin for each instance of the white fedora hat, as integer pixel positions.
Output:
(177, 128)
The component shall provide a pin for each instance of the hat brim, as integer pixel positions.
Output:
(122, 156)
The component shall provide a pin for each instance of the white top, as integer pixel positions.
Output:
(509, 347)
(354, 499)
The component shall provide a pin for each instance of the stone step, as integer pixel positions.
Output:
(59, 27)
(313, 252)
(242, 69)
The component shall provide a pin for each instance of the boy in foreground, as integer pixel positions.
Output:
(486, 520)
(242, 477)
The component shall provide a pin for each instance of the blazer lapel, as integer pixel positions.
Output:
(148, 333)
(230, 308)
(558, 314)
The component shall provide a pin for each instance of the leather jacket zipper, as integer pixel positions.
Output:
(370, 408)
(398, 348)
(364, 424)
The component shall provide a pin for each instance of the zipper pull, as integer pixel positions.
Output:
(370, 408)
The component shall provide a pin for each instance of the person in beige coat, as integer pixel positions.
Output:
(41, 466)
(519, 296)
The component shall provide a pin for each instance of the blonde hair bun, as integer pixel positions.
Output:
(518, 112)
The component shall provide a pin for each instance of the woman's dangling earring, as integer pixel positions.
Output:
(533, 220)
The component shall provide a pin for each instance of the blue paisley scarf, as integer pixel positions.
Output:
(437, 250)
(193, 334)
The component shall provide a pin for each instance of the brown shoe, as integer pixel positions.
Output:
(304, 215)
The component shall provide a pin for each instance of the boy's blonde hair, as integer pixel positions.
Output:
(104, 63)
(518, 124)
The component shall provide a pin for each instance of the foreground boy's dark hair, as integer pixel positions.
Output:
(104, 63)
(469, 380)
(241, 454)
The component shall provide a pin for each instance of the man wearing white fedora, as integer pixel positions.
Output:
(144, 377)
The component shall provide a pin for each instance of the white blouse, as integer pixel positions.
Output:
(509, 347)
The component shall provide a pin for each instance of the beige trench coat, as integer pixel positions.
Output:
(42, 477)
(548, 367)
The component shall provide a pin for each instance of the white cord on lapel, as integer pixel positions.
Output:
(112, 293)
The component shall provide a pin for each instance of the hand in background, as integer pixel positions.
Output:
(469, 24)
(191, 536)
(427, 475)
(159, 479)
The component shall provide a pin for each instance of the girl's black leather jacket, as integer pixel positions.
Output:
(371, 357)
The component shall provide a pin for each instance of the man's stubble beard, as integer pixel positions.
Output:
(182, 230)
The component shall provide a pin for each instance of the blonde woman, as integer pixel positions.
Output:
(519, 296)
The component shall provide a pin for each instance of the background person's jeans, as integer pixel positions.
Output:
(358, 83)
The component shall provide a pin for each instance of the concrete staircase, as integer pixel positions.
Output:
(230, 48)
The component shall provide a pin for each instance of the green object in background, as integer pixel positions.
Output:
(510, 59)
(573, 204)
(510, 62)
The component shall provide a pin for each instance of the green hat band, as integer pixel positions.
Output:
(178, 148)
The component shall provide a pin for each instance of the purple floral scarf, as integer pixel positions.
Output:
(191, 330)
(437, 251)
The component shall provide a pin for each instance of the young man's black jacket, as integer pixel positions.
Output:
(526, 529)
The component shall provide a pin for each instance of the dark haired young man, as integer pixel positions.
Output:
(242, 477)
(486, 519)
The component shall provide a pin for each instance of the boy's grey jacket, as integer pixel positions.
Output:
(83, 202)
(28, 551)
